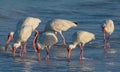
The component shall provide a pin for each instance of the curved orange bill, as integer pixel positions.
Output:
(8, 41)
(68, 54)
(14, 51)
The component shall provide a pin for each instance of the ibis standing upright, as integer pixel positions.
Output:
(45, 40)
(107, 28)
(80, 38)
(59, 25)
(24, 32)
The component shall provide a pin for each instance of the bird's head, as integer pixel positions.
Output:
(12, 33)
(69, 49)
(15, 46)
(103, 27)
(10, 36)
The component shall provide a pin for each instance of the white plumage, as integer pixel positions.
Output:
(24, 34)
(29, 24)
(17, 44)
(24, 31)
(33, 22)
(80, 38)
(108, 28)
(59, 25)
(46, 40)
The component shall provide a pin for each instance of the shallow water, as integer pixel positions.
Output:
(89, 14)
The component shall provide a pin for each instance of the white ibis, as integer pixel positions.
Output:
(24, 32)
(107, 28)
(33, 22)
(80, 38)
(59, 25)
(46, 40)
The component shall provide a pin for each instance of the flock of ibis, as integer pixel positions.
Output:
(48, 37)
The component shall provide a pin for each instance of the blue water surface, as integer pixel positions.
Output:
(89, 14)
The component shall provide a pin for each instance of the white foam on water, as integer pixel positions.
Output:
(86, 68)
(83, 58)
(111, 51)
(110, 63)
(2, 48)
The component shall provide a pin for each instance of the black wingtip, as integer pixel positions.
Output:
(75, 22)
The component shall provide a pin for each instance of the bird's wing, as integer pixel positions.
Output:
(109, 27)
(85, 37)
(30, 21)
(48, 39)
(25, 33)
(62, 25)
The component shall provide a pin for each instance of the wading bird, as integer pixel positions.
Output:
(107, 28)
(45, 40)
(80, 38)
(23, 32)
(59, 25)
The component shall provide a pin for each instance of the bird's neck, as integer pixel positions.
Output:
(18, 44)
(41, 46)
(73, 45)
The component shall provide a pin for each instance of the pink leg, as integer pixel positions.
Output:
(38, 54)
(108, 39)
(105, 43)
(24, 49)
(47, 53)
(33, 44)
(21, 50)
(64, 42)
(108, 42)
(81, 52)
